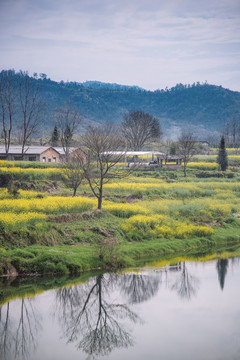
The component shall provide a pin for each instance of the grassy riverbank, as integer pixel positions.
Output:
(149, 213)
(94, 240)
(30, 286)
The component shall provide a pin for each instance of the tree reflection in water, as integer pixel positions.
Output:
(18, 333)
(91, 320)
(138, 287)
(222, 266)
(186, 284)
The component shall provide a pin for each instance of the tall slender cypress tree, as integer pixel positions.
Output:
(55, 136)
(222, 158)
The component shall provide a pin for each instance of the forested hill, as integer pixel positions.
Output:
(204, 105)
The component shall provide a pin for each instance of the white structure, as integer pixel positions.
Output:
(135, 155)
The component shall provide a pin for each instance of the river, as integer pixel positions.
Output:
(181, 309)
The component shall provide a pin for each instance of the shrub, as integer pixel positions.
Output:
(215, 174)
(49, 267)
(61, 269)
(5, 178)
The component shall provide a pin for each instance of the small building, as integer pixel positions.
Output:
(62, 153)
(203, 142)
(74, 152)
(173, 162)
(31, 153)
(136, 158)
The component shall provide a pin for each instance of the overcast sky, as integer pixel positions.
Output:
(150, 43)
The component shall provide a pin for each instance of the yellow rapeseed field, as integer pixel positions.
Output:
(22, 194)
(203, 165)
(164, 227)
(48, 205)
(17, 170)
(186, 208)
(11, 220)
(124, 209)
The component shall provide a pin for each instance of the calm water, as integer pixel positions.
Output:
(190, 310)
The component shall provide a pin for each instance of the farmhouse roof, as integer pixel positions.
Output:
(30, 150)
(62, 152)
(33, 150)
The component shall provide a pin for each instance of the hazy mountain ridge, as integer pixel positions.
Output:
(202, 105)
(110, 86)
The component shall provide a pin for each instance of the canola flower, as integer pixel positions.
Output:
(141, 179)
(203, 165)
(219, 206)
(220, 185)
(193, 259)
(158, 218)
(48, 205)
(11, 221)
(232, 149)
(18, 170)
(23, 194)
(206, 207)
(5, 163)
(181, 189)
(123, 209)
(204, 158)
(144, 222)
(164, 227)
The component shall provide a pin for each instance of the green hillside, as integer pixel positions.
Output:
(202, 105)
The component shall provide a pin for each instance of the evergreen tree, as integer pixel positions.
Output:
(172, 149)
(55, 136)
(222, 155)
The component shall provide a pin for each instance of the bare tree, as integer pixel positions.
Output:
(139, 288)
(68, 121)
(103, 149)
(6, 335)
(18, 338)
(231, 131)
(234, 131)
(227, 131)
(138, 128)
(186, 285)
(72, 171)
(187, 148)
(8, 105)
(91, 320)
(31, 107)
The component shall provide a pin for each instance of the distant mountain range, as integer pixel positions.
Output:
(110, 86)
(205, 108)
